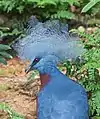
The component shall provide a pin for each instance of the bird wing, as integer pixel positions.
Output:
(62, 109)
(70, 109)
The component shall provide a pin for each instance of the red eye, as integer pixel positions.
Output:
(36, 60)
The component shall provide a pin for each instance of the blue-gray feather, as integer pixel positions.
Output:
(50, 37)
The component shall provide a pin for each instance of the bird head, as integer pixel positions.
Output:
(45, 43)
(43, 64)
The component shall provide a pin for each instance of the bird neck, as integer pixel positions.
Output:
(44, 78)
(47, 75)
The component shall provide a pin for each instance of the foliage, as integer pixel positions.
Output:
(91, 4)
(43, 9)
(5, 31)
(11, 30)
(48, 8)
(92, 83)
(12, 114)
(91, 10)
(11, 33)
(10, 5)
(88, 70)
(3, 53)
(63, 14)
(92, 44)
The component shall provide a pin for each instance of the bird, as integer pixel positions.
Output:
(45, 45)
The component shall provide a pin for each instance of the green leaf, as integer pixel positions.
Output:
(2, 60)
(4, 47)
(71, 2)
(33, 1)
(97, 99)
(63, 14)
(20, 8)
(4, 28)
(90, 5)
(6, 55)
(47, 2)
(96, 117)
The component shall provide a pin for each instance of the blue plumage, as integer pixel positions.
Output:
(45, 45)
(62, 98)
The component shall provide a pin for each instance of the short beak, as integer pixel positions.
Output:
(28, 69)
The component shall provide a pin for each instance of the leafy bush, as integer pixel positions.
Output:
(4, 31)
(92, 82)
(12, 5)
(48, 8)
(3, 53)
(92, 10)
(88, 70)
(43, 9)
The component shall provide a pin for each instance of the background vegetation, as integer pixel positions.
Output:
(84, 13)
